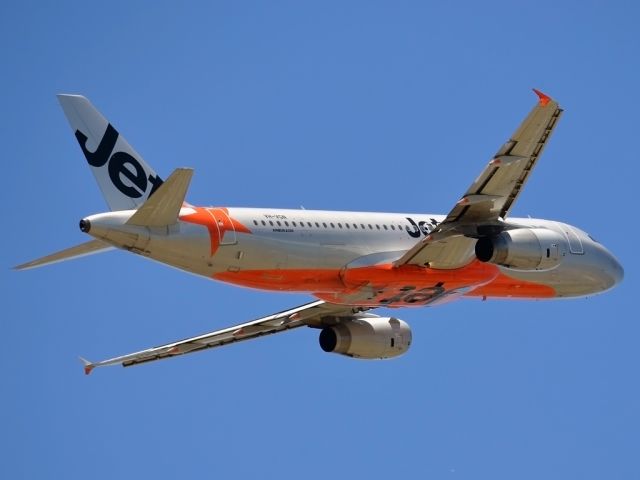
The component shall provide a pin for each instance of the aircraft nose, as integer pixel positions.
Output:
(616, 271)
(612, 272)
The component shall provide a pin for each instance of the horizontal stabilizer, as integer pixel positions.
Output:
(88, 248)
(163, 207)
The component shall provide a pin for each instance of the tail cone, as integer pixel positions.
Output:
(85, 225)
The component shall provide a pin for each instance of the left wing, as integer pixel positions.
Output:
(488, 200)
(314, 314)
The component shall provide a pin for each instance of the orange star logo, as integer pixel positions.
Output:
(217, 221)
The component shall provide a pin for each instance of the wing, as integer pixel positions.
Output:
(315, 314)
(486, 203)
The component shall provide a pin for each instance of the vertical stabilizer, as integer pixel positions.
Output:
(123, 176)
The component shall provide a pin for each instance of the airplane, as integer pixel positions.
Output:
(351, 262)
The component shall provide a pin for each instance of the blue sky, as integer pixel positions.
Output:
(379, 106)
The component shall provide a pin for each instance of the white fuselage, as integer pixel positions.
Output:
(336, 255)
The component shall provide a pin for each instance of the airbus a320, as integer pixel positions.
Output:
(351, 262)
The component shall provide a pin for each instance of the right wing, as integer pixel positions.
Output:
(491, 196)
(314, 314)
(488, 200)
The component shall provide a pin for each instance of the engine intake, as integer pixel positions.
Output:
(367, 337)
(521, 249)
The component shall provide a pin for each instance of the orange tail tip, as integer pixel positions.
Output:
(88, 366)
(544, 99)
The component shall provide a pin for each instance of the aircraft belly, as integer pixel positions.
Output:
(408, 285)
(510, 284)
(269, 264)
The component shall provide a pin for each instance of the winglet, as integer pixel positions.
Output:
(88, 366)
(544, 99)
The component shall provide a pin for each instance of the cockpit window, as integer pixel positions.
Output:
(588, 235)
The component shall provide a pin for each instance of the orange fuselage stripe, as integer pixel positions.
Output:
(486, 280)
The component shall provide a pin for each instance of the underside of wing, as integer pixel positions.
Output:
(492, 194)
(315, 314)
(487, 202)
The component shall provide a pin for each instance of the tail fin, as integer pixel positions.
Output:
(123, 176)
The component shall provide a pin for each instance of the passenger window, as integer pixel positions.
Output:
(347, 225)
(325, 225)
(271, 222)
(278, 222)
(385, 227)
(340, 225)
(332, 225)
(264, 223)
(255, 222)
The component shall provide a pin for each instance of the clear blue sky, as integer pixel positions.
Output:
(381, 106)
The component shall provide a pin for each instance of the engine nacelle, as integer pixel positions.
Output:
(367, 337)
(522, 249)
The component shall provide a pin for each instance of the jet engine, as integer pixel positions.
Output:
(367, 337)
(521, 249)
